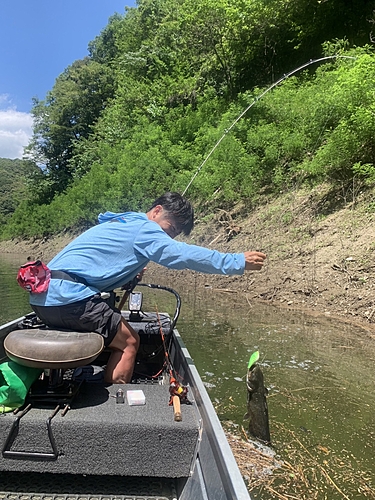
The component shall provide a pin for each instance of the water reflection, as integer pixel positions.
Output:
(319, 372)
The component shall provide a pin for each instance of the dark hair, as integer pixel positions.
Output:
(179, 208)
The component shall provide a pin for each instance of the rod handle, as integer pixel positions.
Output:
(177, 409)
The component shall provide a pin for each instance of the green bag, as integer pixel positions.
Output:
(15, 381)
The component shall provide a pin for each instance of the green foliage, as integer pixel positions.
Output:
(14, 175)
(163, 84)
(349, 139)
(66, 117)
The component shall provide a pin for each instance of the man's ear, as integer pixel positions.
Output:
(156, 212)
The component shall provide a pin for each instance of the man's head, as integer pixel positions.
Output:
(173, 213)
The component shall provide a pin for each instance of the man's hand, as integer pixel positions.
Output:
(140, 275)
(254, 260)
(130, 285)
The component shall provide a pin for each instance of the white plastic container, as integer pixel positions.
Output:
(136, 397)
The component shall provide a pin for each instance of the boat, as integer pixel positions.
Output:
(157, 438)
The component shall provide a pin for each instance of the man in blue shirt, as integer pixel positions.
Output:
(113, 253)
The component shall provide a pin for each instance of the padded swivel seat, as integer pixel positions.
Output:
(53, 350)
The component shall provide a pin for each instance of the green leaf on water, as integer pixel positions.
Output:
(253, 359)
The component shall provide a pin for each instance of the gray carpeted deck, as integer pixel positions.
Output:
(99, 437)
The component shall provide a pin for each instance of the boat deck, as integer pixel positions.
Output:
(98, 436)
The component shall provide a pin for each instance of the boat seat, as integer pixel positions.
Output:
(52, 349)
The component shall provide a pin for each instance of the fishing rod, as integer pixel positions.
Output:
(284, 77)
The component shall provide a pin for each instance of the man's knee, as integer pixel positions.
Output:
(126, 337)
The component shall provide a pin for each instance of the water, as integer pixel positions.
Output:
(14, 300)
(319, 372)
(320, 375)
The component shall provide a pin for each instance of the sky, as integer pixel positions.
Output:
(38, 40)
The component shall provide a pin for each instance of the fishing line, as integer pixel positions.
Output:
(226, 131)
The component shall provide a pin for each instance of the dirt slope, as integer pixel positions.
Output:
(320, 247)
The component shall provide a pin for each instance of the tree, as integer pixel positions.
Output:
(14, 175)
(67, 116)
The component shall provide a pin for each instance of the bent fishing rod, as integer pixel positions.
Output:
(284, 77)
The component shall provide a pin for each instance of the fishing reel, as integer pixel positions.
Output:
(176, 389)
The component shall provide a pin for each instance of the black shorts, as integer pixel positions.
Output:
(89, 315)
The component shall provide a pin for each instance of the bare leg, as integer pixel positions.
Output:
(124, 348)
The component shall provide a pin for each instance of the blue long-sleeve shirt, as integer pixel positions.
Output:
(115, 251)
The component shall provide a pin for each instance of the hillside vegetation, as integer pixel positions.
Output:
(169, 79)
(14, 175)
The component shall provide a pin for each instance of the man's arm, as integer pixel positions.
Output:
(154, 244)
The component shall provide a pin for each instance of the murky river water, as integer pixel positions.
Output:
(320, 375)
